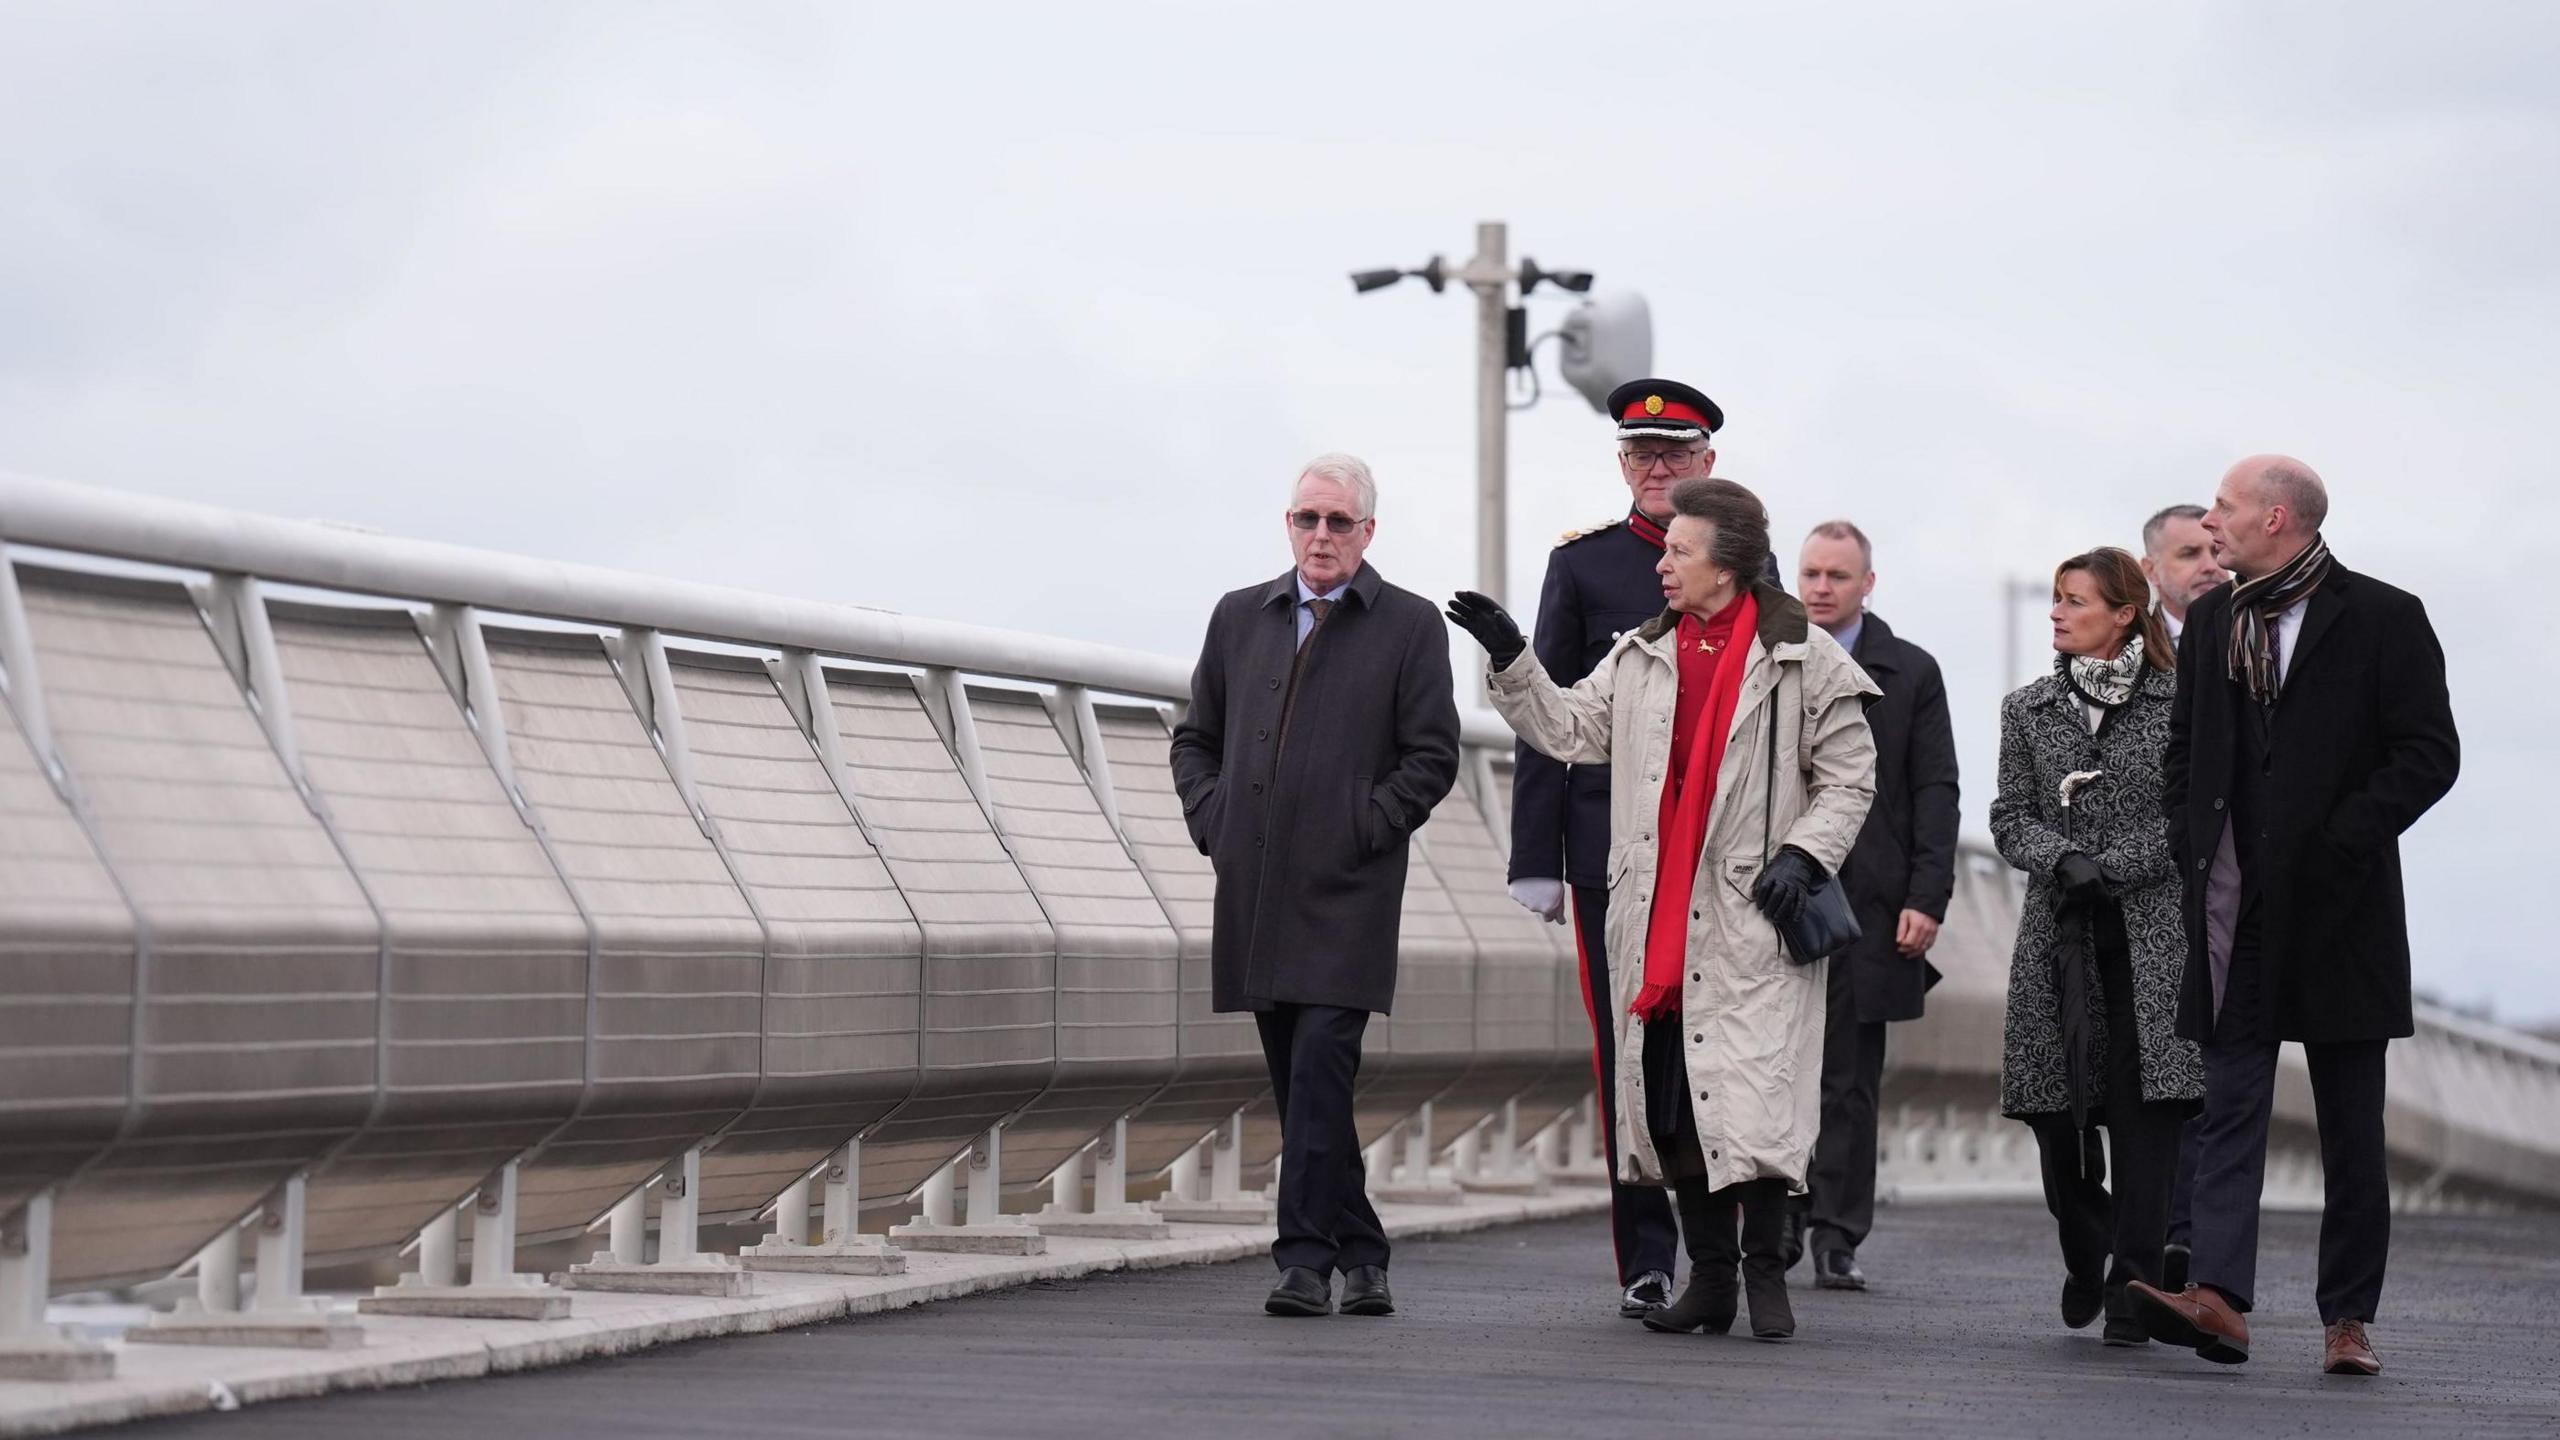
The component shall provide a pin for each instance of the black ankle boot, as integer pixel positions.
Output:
(1708, 1301)
(1764, 1258)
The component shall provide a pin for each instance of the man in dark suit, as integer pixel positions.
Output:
(1320, 735)
(2311, 728)
(1899, 878)
(1600, 583)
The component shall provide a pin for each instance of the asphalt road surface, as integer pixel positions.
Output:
(1515, 1332)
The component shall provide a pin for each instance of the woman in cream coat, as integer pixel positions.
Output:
(1713, 832)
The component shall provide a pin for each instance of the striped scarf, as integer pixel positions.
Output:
(2256, 603)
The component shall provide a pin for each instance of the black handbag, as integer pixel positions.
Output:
(1826, 925)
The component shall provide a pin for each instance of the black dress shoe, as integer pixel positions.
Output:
(2173, 1267)
(1364, 1291)
(1651, 1292)
(1301, 1291)
(1837, 1270)
(2081, 1301)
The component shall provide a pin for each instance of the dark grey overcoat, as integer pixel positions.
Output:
(2363, 743)
(1309, 839)
(2044, 735)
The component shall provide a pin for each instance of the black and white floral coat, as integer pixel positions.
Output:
(2117, 821)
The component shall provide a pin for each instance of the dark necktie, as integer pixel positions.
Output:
(1298, 664)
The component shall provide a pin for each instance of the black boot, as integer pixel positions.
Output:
(1707, 1302)
(1764, 1259)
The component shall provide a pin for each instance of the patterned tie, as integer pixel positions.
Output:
(1318, 608)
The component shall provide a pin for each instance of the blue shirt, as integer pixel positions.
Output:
(1307, 617)
(1848, 638)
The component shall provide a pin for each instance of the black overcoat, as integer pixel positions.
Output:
(1905, 858)
(2361, 742)
(1309, 840)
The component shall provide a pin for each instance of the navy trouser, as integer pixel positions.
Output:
(1326, 1221)
(1641, 1221)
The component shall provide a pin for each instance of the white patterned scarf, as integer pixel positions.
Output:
(2107, 684)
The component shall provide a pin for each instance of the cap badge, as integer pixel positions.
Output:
(1653, 404)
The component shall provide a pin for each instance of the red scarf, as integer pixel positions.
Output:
(1711, 656)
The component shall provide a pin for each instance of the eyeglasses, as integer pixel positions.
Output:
(1680, 461)
(1338, 524)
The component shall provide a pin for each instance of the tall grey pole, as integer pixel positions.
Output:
(1489, 275)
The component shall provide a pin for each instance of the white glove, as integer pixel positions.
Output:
(1544, 896)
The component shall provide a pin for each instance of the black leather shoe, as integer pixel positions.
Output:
(2081, 1301)
(1364, 1291)
(1837, 1270)
(1301, 1291)
(2173, 1267)
(1651, 1292)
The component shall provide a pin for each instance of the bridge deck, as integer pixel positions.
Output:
(1503, 1334)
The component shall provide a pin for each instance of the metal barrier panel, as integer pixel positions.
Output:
(990, 997)
(1119, 962)
(1221, 1069)
(1515, 996)
(1576, 1072)
(484, 1005)
(676, 989)
(846, 961)
(67, 970)
(1428, 1045)
(1945, 1056)
(259, 975)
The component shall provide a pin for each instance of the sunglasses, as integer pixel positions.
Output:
(1337, 524)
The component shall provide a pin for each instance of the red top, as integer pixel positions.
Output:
(1711, 654)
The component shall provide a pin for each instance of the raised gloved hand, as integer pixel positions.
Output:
(1785, 884)
(1544, 896)
(1492, 626)
(2080, 877)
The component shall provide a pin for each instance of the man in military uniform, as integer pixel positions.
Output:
(1601, 582)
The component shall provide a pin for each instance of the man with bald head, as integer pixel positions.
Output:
(2311, 728)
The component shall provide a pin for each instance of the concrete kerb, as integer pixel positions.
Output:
(156, 1380)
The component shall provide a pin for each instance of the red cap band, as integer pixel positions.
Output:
(1656, 407)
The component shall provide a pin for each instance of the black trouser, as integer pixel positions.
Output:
(1640, 1216)
(2347, 1083)
(1326, 1221)
(2182, 1191)
(2111, 1235)
(1842, 1206)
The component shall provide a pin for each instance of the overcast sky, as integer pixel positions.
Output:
(1026, 314)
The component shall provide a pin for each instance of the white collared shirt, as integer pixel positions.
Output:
(2177, 625)
(2288, 631)
(1307, 617)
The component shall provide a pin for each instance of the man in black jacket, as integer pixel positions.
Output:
(1320, 735)
(1899, 878)
(2311, 728)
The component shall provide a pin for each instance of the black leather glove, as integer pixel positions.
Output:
(1492, 626)
(1785, 884)
(2080, 877)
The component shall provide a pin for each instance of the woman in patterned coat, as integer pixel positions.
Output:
(2093, 984)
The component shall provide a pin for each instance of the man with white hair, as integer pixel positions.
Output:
(1321, 733)
(2311, 727)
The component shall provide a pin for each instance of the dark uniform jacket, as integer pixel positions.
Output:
(1309, 839)
(1600, 583)
(1905, 858)
(2359, 743)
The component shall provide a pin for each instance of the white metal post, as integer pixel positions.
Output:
(439, 1248)
(791, 1213)
(935, 1200)
(218, 1272)
(986, 1178)
(1066, 1187)
(1226, 1160)
(29, 1348)
(844, 1192)
(1184, 1182)
(1111, 1169)
(493, 1229)
(627, 1235)
(680, 1210)
(1489, 275)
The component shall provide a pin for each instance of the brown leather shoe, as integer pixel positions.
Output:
(2197, 1318)
(2348, 1351)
